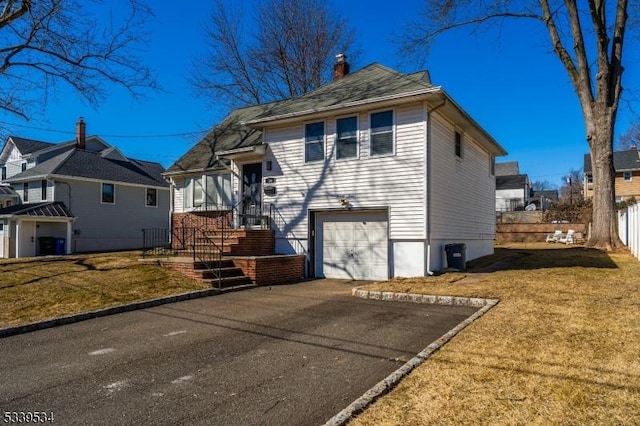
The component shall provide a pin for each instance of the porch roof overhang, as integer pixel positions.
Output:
(241, 153)
(47, 212)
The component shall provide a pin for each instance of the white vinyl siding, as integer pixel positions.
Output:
(390, 182)
(463, 192)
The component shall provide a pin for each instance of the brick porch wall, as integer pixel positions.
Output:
(210, 220)
(272, 270)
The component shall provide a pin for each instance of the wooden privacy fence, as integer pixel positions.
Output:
(629, 228)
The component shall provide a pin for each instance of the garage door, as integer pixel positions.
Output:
(352, 245)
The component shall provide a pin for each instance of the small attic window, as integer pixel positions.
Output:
(458, 145)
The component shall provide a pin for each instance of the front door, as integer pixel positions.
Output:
(252, 193)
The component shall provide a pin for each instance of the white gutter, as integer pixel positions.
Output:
(429, 90)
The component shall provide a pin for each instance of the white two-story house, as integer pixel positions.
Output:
(369, 176)
(79, 196)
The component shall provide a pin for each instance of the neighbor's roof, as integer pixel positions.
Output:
(508, 168)
(92, 165)
(7, 190)
(511, 182)
(622, 161)
(546, 193)
(50, 209)
(27, 146)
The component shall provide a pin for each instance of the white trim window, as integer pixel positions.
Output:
(314, 142)
(213, 192)
(218, 191)
(347, 137)
(381, 133)
(151, 197)
(627, 176)
(108, 193)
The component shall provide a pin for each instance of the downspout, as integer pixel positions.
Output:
(427, 173)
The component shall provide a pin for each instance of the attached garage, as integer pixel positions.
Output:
(352, 245)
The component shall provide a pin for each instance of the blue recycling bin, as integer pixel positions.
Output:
(60, 246)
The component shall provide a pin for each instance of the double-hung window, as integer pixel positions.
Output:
(108, 193)
(381, 133)
(347, 137)
(627, 176)
(314, 141)
(25, 192)
(151, 199)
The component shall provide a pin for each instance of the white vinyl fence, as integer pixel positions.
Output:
(629, 228)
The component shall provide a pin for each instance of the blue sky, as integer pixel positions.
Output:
(508, 80)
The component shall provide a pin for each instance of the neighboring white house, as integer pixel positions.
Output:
(78, 196)
(513, 190)
(370, 175)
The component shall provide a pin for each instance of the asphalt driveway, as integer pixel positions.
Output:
(295, 354)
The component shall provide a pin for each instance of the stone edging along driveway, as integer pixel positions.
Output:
(394, 378)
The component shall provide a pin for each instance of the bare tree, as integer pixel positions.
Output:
(83, 44)
(571, 188)
(290, 53)
(542, 185)
(587, 37)
(631, 138)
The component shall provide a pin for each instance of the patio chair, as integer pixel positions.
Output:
(567, 239)
(553, 238)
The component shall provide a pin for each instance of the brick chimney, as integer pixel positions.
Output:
(81, 134)
(341, 67)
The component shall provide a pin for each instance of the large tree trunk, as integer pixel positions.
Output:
(604, 230)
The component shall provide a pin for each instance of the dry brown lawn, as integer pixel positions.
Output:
(561, 347)
(42, 288)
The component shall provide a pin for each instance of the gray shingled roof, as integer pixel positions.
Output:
(7, 190)
(50, 209)
(232, 133)
(27, 146)
(370, 83)
(511, 182)
(508, 168)
(622, 161)
(92, 165)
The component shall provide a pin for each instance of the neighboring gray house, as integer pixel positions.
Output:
(370, 175)
(79, 196)
(513, 190)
